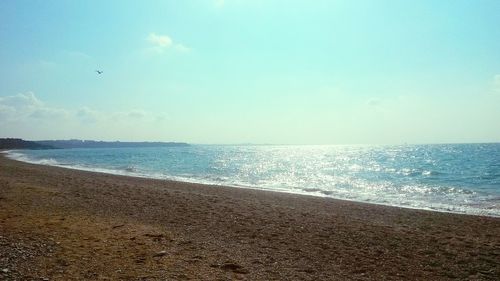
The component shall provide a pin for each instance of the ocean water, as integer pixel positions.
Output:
(461, 178)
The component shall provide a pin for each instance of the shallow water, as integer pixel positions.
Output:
(462, 178)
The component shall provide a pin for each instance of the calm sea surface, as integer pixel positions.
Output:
(462, 178)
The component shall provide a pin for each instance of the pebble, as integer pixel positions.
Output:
(5, 270)
(160, 254)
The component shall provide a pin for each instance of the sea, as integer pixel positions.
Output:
(458, 178)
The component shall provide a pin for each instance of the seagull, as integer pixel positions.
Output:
(99, 71)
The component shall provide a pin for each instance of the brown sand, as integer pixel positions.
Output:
(61, 224)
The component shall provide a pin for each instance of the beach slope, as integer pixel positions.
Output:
(63, 224)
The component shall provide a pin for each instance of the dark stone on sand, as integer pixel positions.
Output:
(234, 267)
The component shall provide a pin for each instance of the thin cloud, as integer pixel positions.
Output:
(21, 100)
(19, 106)
(136, 114)
(182, 48)
(49, 113)
(159, 43)
(27, 105)
(87, 115)
(6, 112)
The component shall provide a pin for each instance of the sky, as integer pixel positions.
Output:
(251, 71)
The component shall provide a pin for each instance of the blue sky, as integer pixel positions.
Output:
(236, 71)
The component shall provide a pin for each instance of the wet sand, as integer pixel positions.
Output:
(62, 224)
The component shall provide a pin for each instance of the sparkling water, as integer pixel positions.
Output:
(462, 178)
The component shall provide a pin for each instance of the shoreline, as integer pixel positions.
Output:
(5, 153)
(76, 224)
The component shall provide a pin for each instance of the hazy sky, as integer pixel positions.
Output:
(250, 71)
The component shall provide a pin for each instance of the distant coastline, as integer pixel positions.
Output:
(13, 143)
(16, 143)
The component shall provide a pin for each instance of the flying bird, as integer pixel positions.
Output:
(99, 71)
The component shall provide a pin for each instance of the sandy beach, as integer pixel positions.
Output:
(62, 224)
